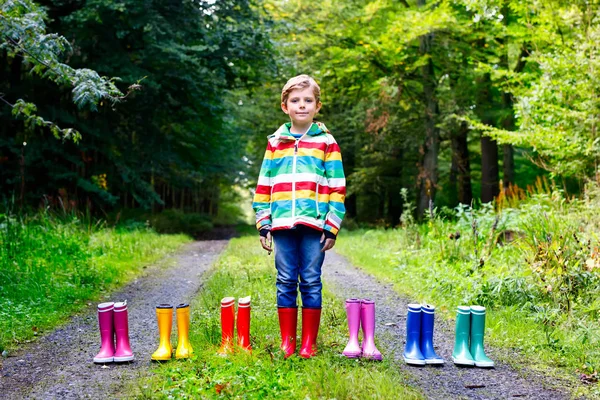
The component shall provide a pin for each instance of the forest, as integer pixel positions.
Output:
(468, 131)
(455, 101)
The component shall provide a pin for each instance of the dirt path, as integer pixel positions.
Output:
(448, 381)
(60, 364)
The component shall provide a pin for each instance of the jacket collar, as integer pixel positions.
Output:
(283, 133)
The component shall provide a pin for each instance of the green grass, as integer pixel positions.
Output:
(245, 269)
(542, 305)
(51, 268)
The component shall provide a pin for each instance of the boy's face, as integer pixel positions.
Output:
(301, 106)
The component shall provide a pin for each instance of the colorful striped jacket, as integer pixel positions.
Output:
(292, 173)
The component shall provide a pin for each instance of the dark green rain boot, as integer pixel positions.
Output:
(477, 333)
(461, 354)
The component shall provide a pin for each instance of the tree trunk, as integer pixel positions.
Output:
(489, 169)
(430, 150)
(508, 173)
(489, 147)
(461, 165)
(394, 206)
(508, 123)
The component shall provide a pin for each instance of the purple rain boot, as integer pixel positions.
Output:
(367, 320)
(105, 321)
(123, 352)
(353, 349)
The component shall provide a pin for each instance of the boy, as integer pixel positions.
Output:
(299, 200)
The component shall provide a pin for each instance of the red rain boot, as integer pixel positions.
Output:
(123, 352)
(243, 323)
(105, 321)
(288, 323)
(311, 318)
(227, 324)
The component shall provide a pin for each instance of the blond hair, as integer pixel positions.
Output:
(300, 82)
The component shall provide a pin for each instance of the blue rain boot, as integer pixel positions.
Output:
(412, 352)
(426, 341)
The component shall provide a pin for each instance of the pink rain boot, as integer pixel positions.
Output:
(367, 320)
(123, 352)
(105, 321)
(353, 349)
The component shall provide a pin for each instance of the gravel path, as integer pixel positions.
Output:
(60, 365)
(445, 382)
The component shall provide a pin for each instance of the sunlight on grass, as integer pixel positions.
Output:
(244, 269)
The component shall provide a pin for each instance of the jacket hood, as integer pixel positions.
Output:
(283, 133)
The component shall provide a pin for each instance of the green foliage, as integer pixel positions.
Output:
(245, 269)
(24, 35)
(51, 267)
(556, 103)
(175, 134)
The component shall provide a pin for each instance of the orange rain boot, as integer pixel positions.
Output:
(311, 318)
(288, 323)
(164, 315)
(184, 348)
(227, 324)
(243, 323)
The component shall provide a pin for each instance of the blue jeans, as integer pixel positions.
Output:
(298, 256)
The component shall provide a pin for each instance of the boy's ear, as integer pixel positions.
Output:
(319, 104)
(284, 108)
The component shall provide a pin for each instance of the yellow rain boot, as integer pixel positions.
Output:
(184, 348)
(164, 315)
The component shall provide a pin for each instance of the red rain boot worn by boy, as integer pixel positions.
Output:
(288, 323)
(243, 323)
(227, 325)
(105, 321)
(123, 352)
(311, 318)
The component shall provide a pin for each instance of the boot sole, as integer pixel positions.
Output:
(161, 358)
(463, 362)
(103, 360)
(124, 359)
(484, 364)
(414, 362)
(434, 362)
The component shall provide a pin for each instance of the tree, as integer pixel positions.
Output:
(24, 37)
(173, 143)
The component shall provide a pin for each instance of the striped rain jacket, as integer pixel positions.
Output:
(292, 173)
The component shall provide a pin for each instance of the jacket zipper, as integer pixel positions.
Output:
(294, 179)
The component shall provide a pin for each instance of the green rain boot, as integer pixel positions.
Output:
(477, 333)
(461, 354)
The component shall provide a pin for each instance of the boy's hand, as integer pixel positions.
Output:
(329, 243)
(267, 242)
